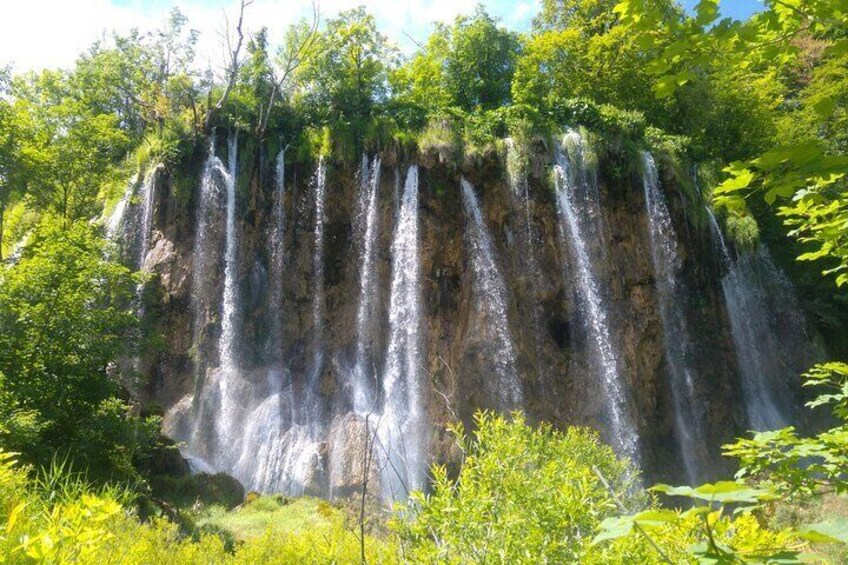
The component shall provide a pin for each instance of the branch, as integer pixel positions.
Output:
(292, 59)
(623, 510)
(232, 68)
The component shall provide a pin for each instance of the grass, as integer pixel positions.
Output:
(273, 513)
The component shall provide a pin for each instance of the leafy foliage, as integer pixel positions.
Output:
(523, 495)
(66, 314)
(775, 466)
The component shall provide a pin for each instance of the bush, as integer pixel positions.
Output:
(63, 519)
(523, 495)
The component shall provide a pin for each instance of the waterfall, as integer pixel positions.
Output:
(282, 431)
(229, 318)
(491, 297)
(363, 372)
(319, 186)
(688, 413)
(214, 413)
(277, 256)
(149, 199)
(206, 253)
(116, 220)
(137, 229)
(768, 332)
(250, 424)
(578, 210)
(403, 427)
(520, 189)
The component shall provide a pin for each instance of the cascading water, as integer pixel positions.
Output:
(149, 196)
(767, 329)
(229, 317)
(676, 339)
(277, 262)
(520, 189)
(217, 403)
(194, 420)
(286, 427)
(116, 220)
(491, 297)
(133, 225)
(289, 424)
(319, 183)
(363, 371)
(578, 209)
(247, 423)
(403, 428)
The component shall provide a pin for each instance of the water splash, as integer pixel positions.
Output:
(363, 374)
(403, 427)
(688, 413)
(768, 332)
(578, 209)
(491, 296)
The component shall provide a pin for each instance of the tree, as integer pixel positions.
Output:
(15, 129)
(345, 76)
(299, 42)
(234, 41)
(144, 78)
(468, 65)
(73, 149)
(481, 62)
(66, 314)
(593, 16)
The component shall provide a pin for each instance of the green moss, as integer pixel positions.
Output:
(441, 136)
(743, 230)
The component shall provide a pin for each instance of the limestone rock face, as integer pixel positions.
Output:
(173, 272)
(352, 453)
(557, 383)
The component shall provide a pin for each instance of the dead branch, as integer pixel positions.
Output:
(292, 58)
(232, 66)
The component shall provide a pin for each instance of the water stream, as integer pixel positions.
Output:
(491, 299)
(688, 412)
(578, 208)
(403, 428)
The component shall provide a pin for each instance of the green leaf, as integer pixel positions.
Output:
(741, 180)
(707, 12)
(665, 86)
(614, 528)
(673, 491)
(829, 531)
(655, 518)
(824, 107)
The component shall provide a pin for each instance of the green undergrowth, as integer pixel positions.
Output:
(271, 513)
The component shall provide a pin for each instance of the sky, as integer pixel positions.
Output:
(38, 34)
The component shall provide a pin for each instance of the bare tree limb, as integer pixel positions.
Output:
(292, 57)
(232, 67)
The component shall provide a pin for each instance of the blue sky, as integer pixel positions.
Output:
(39, 34)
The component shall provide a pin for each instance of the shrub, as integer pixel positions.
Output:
(523, 495)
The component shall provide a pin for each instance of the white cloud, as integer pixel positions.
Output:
(36, 34)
